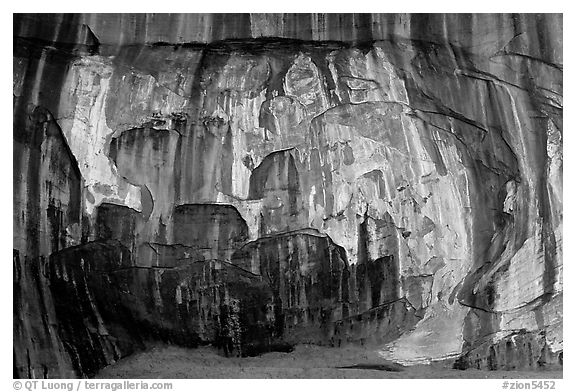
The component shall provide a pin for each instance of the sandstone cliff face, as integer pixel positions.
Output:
(257, 181)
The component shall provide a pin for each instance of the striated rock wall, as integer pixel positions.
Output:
(47, 218)
(392, 180)
(120, 301)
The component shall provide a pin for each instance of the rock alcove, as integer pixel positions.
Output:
(259, 181)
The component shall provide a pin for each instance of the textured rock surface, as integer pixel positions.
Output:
(47, 215)
(393, 180)
(121, 301)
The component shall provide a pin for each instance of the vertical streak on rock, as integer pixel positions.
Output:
(47, 206)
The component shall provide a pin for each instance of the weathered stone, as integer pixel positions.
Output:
(119, 223)
(146, 157)
(516, 351)
(47, 215)
(120, 302)
(319, 298)
(304, 270)
(216, 230)
(98, 331)
(412, 164)
(381, 324)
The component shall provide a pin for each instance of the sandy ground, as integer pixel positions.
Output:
(306, 361)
